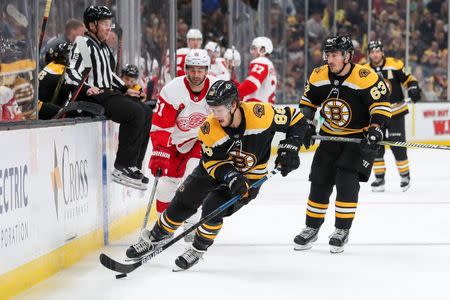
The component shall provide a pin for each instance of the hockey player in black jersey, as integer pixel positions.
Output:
(395, 75)
(353, 102)
(236, 140)
(52, 90)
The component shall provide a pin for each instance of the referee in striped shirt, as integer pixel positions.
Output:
(122, 105)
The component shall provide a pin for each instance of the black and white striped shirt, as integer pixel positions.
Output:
(102, 75)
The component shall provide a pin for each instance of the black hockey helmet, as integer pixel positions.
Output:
(222, 93)
(59, 53)
(338, 43)
(131, 71)
(377, 44)
(96, 13)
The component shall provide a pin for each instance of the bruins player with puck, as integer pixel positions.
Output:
(236, 141)
(353, 102)
(395, 75)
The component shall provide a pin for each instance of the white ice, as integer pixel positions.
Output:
(399, 248)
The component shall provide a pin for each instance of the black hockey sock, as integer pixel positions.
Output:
(205, 235)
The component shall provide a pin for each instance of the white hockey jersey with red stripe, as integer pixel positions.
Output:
(261, 82)
(181, 60)
(178, 114)
(218, 69)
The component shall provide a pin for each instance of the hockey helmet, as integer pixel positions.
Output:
(96, 13)
(233, 55)
(58, 54)
(338, 43)
(375, 45)
(194, 34)
(222, 93)
(130, 70)
(212, 46)
(262, 42)
(197, 57)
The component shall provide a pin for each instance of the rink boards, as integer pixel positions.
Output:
(57, 202)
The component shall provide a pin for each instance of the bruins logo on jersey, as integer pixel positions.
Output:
(337, 111)
(242, 161)
(364, 73)
(258, 110)
(205, 128)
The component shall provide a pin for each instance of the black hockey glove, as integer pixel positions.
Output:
(372, 136)
(287, 159)
(308, 139)
(414, 92)
(237, 183)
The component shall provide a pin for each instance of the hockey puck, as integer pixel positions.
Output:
(118, 276)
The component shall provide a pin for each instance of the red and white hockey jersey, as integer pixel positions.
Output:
(219, 69)
(178, 114)
(261, 83)
(181, 60)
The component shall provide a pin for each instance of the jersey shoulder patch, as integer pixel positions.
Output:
(393, 63)
(258, 115)
(362, 77)
(319, 75)
(211, 133)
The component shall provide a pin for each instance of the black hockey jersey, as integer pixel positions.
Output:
(247, 148)
(395, 75)
(348, 103)
(48, 81)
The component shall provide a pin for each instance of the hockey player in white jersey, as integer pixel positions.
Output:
(232, 59)
(261, 82)
(218, 67)
(180, 110)
(194, 39)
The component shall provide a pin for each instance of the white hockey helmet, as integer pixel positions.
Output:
(233, 56)
(197, 57)
(262, 42)
(194, 34)
(212, 46)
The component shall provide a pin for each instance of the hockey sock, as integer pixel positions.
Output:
(347, 187)
(379, 167)
(205, 235)
(319, 197)
(403, 167)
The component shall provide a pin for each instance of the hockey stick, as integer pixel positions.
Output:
(119, 33)
(152, 197)
(386, 143)
(48, 5)
(124, 269)
(84, 51)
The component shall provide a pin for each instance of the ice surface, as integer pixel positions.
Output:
(399, 248)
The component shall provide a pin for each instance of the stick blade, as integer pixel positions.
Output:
(116, 266)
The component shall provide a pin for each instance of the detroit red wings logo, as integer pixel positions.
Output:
(193, 121)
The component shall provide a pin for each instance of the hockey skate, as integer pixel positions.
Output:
(147, 244)
(129, 176)
(338, 239)
(189, 258)
(378, 185)
(405, 183)
(305, 239)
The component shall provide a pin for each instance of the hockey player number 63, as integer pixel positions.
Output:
(280, 117)
(378, 90)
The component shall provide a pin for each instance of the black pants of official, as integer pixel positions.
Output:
(200, 189)
(342, 165)
(134, 118)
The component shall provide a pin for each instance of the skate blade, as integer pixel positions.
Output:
(336, 249)
(405, 188)
(121, 181)
(178, 269)
(378, 189)
(302, 247)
